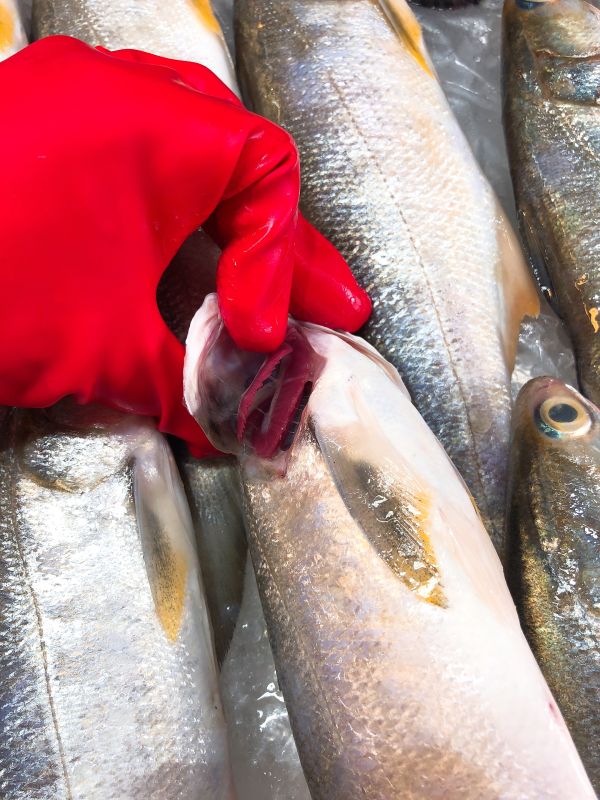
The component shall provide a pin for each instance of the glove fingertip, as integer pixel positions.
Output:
(359, 309)
(256, 331)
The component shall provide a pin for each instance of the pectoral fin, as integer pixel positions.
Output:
(518, 291)
(165, 529)
(409, 30)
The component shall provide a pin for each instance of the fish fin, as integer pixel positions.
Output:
(520, 297)
(386, 500)
(537, 243)
(208, 17)
(165, 529)
(407, 26)
(7, 26)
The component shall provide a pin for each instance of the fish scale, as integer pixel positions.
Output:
(551, 56)
(184, 29)
(389, 179)
(108, 680)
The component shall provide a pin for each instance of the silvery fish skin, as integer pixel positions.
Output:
(12, 32)
(108, 680)
(389, 178)
(264, 757)
(184, 29)
(554, 524)
(213, 491)
(397, 644)
(552, 122)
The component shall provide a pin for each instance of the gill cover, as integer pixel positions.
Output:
(246, 402)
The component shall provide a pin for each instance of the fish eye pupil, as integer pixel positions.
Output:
(563, 417)
(562, 412)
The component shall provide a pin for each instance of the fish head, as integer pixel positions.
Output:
(555, 472)
(247, 402)
(556, 43)
(554, 506)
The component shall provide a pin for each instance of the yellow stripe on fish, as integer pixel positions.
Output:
(408, 28)
(7, 27)
(169, 572)
(207, 15)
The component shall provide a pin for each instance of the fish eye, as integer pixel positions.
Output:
(529, 5)
(560, 417)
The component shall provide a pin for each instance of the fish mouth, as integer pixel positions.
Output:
(555, 409)
(247, 403)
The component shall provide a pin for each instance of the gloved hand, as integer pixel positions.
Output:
(108, 161)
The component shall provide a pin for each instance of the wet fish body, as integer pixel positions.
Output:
(554, 528)
(389, 178)
(264, 757)
(397, 644)
(214, 496)
(108, 680)
(184, 29)
(552, 122)
(12, 31)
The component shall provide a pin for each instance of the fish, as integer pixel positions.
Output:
(213, 492)
(264, 757)
(12, 32)
(554, 566)
(187, 30)
(551, 74)
(108, 677)
(184, 29)
(389, 178)
(397, 644)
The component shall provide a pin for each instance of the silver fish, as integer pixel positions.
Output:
(552, 120)
(184, 29)
(213, 491)
(389, 178)
(264, 757)
(554, 528)
(397, 644)
(108, 679)
(12, 31)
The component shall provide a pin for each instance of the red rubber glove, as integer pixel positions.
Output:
(108, 162)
